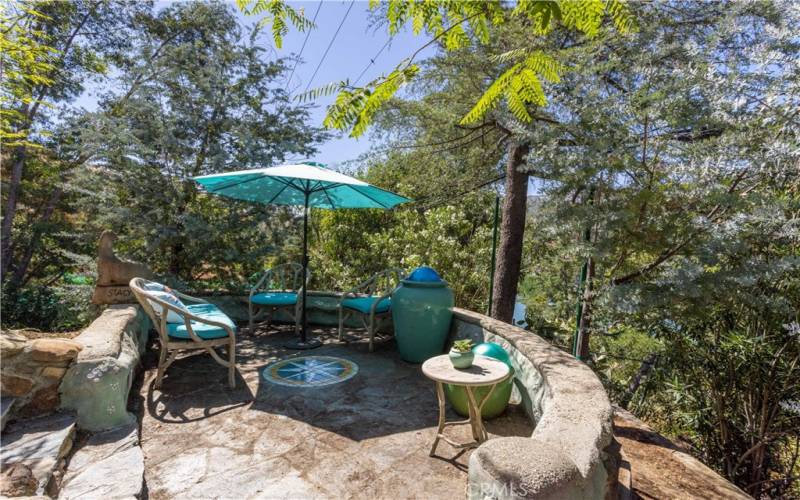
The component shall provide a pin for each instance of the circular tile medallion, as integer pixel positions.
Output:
(310, 371)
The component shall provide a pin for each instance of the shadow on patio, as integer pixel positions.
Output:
(366, 436)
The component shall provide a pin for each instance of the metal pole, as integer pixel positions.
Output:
(494, 252)
(305, 269)
(304, 342)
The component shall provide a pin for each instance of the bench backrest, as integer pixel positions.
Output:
(146, 299)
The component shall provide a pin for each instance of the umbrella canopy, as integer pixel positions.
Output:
(290, 184)
(304, 184)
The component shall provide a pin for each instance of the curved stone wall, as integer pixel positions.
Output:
(571, 451)
(96, 386)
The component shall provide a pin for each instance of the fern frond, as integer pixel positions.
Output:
(541, 13)
(509, 56)
(545, 65)
(621, 16)
(325, 90)
(490, 98)
(279, 15)
(517, 105)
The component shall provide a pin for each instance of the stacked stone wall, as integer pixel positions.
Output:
(31, 371)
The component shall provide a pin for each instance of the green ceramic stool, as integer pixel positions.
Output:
(498, 401)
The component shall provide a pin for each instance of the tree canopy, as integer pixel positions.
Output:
(455, 24)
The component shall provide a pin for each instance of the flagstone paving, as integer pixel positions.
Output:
(366, 437)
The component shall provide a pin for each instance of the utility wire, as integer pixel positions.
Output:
(448, 198)
(311, 80)
(372, 61)
(308, 33)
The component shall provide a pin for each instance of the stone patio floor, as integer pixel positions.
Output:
(367, 437)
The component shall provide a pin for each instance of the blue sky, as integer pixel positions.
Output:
(358, 42)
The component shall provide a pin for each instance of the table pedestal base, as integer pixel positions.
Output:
(475, 420)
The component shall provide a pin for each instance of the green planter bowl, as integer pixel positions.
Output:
(461, 360)
(498, 401)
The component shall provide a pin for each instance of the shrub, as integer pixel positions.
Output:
(55, 309)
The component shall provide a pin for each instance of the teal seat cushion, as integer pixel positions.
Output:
(275, 299)
(202, 330)
(363, 304)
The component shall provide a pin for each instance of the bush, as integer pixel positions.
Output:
(54, 309)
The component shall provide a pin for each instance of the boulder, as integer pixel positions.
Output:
(43, 401)
(41, 444)
(6, 403)
(54, 350)
(15, 385)
(109, 465)
(11, 344)
(53, 373)
(16, 480)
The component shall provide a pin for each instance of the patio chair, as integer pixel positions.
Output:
(197, 327)
(278, 288)
(371, 300)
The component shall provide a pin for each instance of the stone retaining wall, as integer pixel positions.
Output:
(32, 371)
(96, 386)
(571, 453)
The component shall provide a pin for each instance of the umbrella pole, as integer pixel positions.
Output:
(304, 342)
(303, 323)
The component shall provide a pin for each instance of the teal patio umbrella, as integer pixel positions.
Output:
(304, 184)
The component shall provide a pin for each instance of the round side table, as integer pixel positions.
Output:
(483, 372)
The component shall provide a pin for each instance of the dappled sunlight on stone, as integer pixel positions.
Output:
(364, 437)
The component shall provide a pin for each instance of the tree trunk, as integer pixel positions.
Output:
(21, 269)
(176, 260)
(512, 229)
(586, 317)
(10, 209)
(645, 368)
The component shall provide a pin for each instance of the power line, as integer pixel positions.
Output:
(372, 61)
(308, 33)
(447, 198)
(329, 45)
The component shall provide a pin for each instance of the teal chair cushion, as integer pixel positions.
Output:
(363, 304)
(275, 299)
(202, 330)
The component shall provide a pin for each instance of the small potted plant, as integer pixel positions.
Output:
(461, 354)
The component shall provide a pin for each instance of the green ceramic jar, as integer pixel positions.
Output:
(422, 308)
